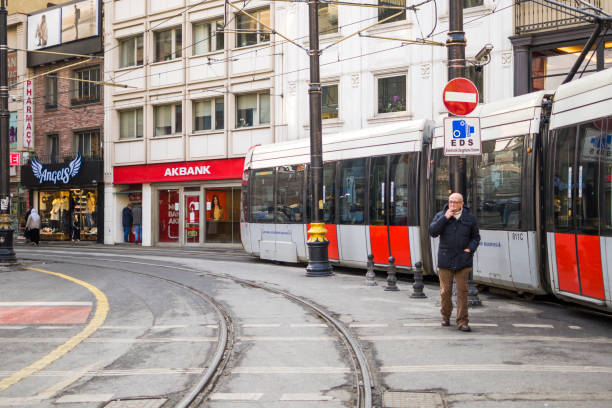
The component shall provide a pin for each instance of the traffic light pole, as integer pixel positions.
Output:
(7, 254)
(456, 69)
(318, 261)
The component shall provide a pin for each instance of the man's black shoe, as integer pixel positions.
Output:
(445, 322)
(465, 328)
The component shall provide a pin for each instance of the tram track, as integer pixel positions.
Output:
(199, 393)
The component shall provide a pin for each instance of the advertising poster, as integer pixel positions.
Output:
(44, 29)
(216, 201)
(13, 131)
(12, 68)
(79, 20)
(169, 215)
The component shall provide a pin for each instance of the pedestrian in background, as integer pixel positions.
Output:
(127, 220)
(26, 232)
(459, 237)
(33, 225)
(137, 220)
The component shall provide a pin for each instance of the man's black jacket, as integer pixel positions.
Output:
(455, 235)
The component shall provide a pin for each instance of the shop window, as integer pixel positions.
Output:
(87, 143)
(352, 191)
(392, 94)
(168, 44)
(87, 88)
(388, 12)
(208, 115)
(53, 147)
(262, 196)
(51, 92)
(329, 99)
(208, 37)
(131, 51)
(498, 185)
(290, 194)
(251, 31)
(131, 124)
(328, 18)
(54, 210)
(169, 218)
(168, 119)
(472, 3)
(252, 110)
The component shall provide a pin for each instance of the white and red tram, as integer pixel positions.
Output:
(541, 190)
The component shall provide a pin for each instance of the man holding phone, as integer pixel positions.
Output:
(459, 237)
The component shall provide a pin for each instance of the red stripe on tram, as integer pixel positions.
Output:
(400, 245)
(378, 244)
(567, 267)
(589, 258)
(332, 237)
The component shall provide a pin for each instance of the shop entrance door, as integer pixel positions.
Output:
(192, 218)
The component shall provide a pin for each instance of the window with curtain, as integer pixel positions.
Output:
(131, 51)
(168, 44)
(392, 94)
(87, 143)
(252, 109)
(51, 97)
(131, 124)
(87, 89)
(208, 37)
(203, 116)
(167, 119)
(250, 31)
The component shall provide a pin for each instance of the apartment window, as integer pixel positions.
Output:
(252, 109)
(208, 115)
(328, 18)
(168, 119)
(392, 94)
(477, 77)
(51, 82)
(388, 12)
(130, 124)
(168, 44)
(329, 99)
(130, 52)
(87, 89)
(53, 147)
(250, 31)
(207, 37)
(472, 3)
(87, 143)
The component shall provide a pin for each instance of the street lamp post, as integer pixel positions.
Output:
(7, 254)
(318, 261)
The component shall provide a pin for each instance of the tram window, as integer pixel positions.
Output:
(352, 191)
(290, 194)
(605, 185)
(498, 185)
(591, 151)
(378, 175)
(329, 192)
(262, 196)
(403, 203)
(442, 187)
(563, 177)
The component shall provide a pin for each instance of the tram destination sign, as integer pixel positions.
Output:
(462, 136)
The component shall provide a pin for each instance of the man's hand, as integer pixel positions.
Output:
(449, 214)
(467, 250)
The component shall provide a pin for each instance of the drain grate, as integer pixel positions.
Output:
(404, 399)
(136, 403)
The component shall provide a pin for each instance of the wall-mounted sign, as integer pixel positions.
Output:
(14, 159)
(28, 114)
(12, 68)
(44, 29)
(183, 171)
(79, 20)
(63, 175)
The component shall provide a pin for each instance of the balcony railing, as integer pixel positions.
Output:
(56, 159)
(532, 16)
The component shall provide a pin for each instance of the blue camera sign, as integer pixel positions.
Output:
(462, 136)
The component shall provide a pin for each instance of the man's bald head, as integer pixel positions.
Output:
(456, 197)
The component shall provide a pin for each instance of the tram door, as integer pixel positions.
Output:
(393, 207)
(578, 203)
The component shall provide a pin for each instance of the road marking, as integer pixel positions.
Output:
(261, 325)
(575, 327)
(51, 391)
(97, 321)
(306, 397)
(368, 325)
(496, 367)
(534, 326)
(44, 314)
(235, 396)
(33, 304)
(483, 324)
(290, 370)
(531, 396)
(56, 327)
(116, 373)
(168, 327)
(286, 338)
(9, 327)
(424, 324)
(76, 398)
(480, 337)
(308, 325)
(112, 340)
(11, 402)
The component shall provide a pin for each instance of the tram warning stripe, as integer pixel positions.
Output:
(44, 314)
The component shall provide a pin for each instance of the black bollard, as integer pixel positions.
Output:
(418, 286)
(391, 279)
(370, 275)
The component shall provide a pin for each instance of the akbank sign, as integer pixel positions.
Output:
(63, 175)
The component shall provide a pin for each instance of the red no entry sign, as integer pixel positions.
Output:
(460, 96)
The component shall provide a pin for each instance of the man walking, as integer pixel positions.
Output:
(137, 219)
(127, 220)
(459, 237)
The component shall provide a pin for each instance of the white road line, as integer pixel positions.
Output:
(308, 325)
(12, 402)
(287, 338)
(483, 324)
(235, 396)
(3, 327)
(261, 325)
(424, 324)
(496, 367)
(116, 373)
(81, 398)
(54, 389)
(368, 325)
(176, 326)
(482, 338)
(30, 304)
(166, 339)
(290, 370)
(58, 327)
(534, 326)
(531, 396)
(306, 397)
(575, 327)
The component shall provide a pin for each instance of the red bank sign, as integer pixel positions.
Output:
(182, 171)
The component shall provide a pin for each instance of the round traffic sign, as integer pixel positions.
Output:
(460, 96)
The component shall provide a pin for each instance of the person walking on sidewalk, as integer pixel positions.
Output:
(33, 225)
(459, 237)
(137, 220)
(127, 220)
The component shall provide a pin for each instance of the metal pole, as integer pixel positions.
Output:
(7, 254)
(318, 261)
(456, 69)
